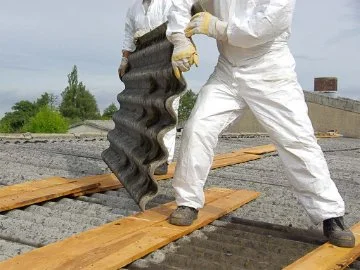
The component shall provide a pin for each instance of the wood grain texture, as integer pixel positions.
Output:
(106, 182)
(44, 194)
(31, 185)
(121, 242)
(259, 150)
(329, 257)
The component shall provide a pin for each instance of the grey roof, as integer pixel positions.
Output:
(105, 125)
(225, 242)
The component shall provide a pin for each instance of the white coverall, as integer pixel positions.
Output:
(255, 70)
(140, 19)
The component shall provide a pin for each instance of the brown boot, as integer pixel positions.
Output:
(338, 234)
(183, 216)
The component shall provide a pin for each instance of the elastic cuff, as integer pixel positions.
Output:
(177, 37)
(221, 30)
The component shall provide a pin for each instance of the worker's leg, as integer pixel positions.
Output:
(215, 108)
(277, 100)
(283, 113)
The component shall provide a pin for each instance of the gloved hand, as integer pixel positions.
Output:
(123, 66)
(184, 54)
(207, 24)
(139, 34)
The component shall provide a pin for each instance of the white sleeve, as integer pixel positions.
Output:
(252, 26)
(129, 44)
(166, 12)
(179, 15)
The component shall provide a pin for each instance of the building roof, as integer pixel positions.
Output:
(105, 125)
(224, 244)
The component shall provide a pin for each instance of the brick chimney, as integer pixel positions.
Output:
(326, 85)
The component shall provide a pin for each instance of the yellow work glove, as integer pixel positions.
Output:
(207, 24)
(184, 54)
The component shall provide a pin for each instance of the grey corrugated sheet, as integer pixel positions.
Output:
(38, 225)
(145, 115)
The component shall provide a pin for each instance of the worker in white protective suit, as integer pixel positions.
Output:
(142, 17)
(255, 70)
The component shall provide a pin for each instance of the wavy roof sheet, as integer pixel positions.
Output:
(145, 115)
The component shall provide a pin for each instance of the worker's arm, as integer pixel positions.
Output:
(179, 16)
(166, 10)
(184, 54)
(129, 45)
(250, 26)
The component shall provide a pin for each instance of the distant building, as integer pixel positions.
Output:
(326, 113)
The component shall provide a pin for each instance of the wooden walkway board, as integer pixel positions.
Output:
(31, 186)
(43, 194)
(228, 159)
(220, 163)
(106, 182)
(329, 257)
(259, 150)
(121, 242)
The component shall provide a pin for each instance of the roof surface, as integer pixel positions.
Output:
(226, 244)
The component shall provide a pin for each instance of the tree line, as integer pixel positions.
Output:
(48, 115)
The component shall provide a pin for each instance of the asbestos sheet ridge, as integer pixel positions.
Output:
(145, 116)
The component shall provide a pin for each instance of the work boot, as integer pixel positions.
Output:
(338, 234)
(183, 216)
(162, 169)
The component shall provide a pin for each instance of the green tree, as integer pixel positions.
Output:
(14, 121)
(187, 103)
(47, 121)
(47, 99)
(109, 111)
(77, 101)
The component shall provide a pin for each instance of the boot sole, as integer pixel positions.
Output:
(180, 222)
(345, 243)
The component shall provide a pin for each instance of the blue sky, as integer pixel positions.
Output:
(41, 40)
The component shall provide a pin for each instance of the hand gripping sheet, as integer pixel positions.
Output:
(145, 116)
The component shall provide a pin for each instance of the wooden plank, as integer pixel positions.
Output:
(259, 150)
(31, 185)
(229, 155)
(329, 257)
(119, 243)
(106, 182)
(220, 163)
(40, 195)
(221, 160)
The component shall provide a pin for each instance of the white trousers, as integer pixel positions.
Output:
(270, 89)
(170, 137)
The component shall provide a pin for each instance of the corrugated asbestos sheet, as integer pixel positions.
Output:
(145, 115)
